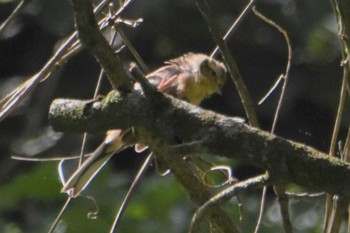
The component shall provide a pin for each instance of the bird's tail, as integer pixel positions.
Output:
(112, 144)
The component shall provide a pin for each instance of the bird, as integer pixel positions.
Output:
(191, 77)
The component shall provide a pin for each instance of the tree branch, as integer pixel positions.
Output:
(171, 126)
(92, 38)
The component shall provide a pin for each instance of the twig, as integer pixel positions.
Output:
(250, 184)
(261, 209)
(286, 73)
(127, 197)
(132, 50)
(282, 197)
(346, 149)
(141, 78)
(123, 7)
(340, 111)
(341, 12)
(12, 16)
(283, 202)
(55, 159)
(234, 26)
(340, 207)
(304, 196)
(272, 89)
(334, 216)
(59, 216)
(199, 194)
(91, 37)
(230, 63)
(11, 101)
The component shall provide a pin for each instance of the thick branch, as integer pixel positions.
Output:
(171, 126)
(91, 37)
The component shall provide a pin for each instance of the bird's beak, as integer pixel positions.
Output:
(218, 90)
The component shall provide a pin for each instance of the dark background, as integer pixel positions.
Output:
(29, 192)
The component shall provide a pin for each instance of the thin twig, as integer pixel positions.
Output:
(124, 7)
(127, 197)
(272, 89)
(12, 16)
(340, 111)
(286, 73)
(261, 209)
(226, 194)
(132, 50)
(11, 101)
(343, 24)
(55, 159)
(91, 36)
(282, 197)
(329, 220)
(230, 63)
(305, 196)
(283, 202)
(340, 207)
(346, 152)
(234, 26)
(346, 149)
(59, 216)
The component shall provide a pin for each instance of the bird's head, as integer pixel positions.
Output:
(213, 75)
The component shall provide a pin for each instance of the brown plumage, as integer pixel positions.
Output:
(191, 77)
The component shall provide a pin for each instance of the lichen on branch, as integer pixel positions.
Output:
(169, 125)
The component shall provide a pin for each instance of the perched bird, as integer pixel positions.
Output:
(191, 77)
